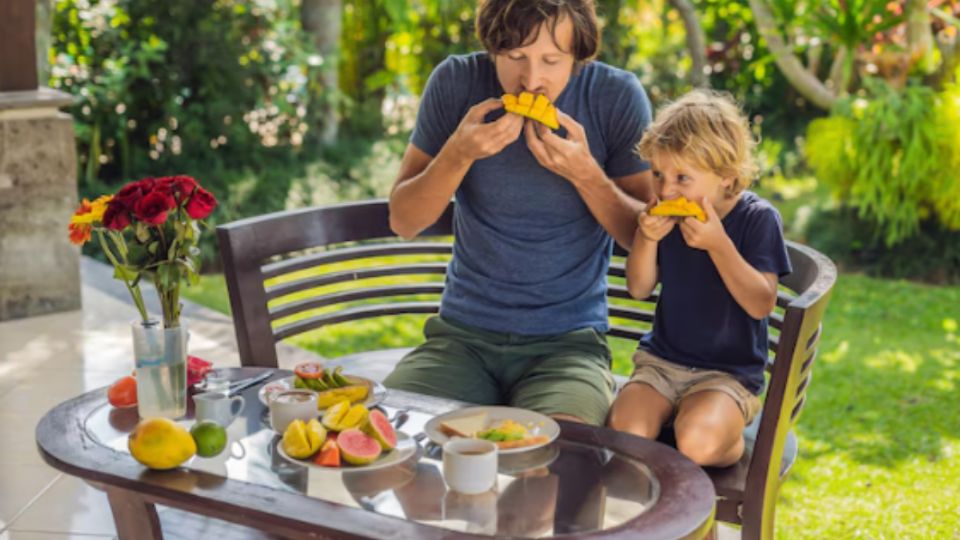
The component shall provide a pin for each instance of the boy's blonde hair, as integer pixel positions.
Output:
(708, 130)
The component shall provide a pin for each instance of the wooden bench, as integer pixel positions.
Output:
(270, 257)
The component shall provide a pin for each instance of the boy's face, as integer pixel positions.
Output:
(541, 67)
(674, 177)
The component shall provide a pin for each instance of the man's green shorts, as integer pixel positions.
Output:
(554, 374)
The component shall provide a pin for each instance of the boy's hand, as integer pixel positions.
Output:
(709, 235)
(654, 228)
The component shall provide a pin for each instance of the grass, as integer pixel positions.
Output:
(880, 435)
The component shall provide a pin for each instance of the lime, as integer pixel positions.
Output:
(211, 438)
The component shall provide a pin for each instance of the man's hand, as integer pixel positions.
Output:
(654, 228)
(709, 235)
(570, 157)
(475, 139)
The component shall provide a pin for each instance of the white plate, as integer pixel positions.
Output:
(406, 447)
(376, 395)
(535, 422)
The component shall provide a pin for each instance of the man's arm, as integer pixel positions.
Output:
(423, 189)
(571, 158)
(425, 185)
(615, 203)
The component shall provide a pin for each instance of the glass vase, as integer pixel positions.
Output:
(161, 360)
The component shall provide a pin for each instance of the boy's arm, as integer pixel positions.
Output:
(754, 291)
(642, 266)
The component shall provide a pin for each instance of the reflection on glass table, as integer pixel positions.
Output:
(562, 488)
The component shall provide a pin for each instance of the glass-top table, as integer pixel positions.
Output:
(590, 482)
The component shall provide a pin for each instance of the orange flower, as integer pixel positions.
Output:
(80, 234)
(87, 215)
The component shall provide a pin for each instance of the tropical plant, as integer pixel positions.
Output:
(846, 41)
(893, 157)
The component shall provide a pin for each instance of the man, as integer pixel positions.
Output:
(523, 315)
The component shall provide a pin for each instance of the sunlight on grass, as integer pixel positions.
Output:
(880, 433)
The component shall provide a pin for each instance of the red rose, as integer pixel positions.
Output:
(117, 217)
(181, 187)
(153, 207)
(201, 204)
(128, 195)
(147, 184)
(185, 184)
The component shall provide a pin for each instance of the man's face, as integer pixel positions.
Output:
(540, 67)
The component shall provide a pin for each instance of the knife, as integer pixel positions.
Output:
(243, 384)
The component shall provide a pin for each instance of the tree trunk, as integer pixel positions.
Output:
(321, 19)
(44, 29)
(808, 85)
(696, 42)
(919, 33)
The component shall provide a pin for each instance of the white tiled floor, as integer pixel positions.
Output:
(46, 360)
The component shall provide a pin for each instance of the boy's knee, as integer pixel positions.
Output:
(709, 447)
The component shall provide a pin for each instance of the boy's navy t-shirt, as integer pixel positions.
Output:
(698, 323)
(529, 257)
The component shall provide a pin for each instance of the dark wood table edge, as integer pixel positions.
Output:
(685, 508)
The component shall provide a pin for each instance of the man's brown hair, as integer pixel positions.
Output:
(503, 25)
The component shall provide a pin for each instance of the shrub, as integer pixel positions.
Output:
(893, 158)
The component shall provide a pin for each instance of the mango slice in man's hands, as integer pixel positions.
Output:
(536, 108)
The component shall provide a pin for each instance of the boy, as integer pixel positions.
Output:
(702, 363)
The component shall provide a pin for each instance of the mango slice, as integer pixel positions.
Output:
(353, 394)
(536, 108)
(680, 207)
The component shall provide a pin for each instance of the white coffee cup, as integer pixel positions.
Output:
(469, 465)
(290, 405)
(218, 407)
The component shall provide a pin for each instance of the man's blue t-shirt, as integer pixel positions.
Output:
(529, 257)
(698, 323)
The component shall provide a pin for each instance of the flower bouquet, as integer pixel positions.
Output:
(149, 230)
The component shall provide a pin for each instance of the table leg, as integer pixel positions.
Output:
(134, 517)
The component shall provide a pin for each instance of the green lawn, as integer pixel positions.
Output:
(880, 436)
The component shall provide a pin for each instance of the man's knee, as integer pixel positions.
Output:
(630, 421)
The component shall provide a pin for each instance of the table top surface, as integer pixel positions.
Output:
(590, 482)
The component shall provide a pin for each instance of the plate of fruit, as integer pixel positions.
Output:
(347, 437)
(331, 386)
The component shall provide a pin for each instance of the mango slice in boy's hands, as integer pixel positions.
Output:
(679, 207)
(536, 108)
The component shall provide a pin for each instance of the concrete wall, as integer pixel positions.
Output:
(39, 268)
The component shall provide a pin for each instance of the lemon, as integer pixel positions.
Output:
(211, 438)
(160, 443)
